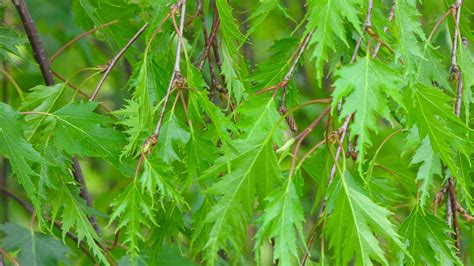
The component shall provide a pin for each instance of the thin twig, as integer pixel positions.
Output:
(176, 76)
(453, 202)
(367, 24)
(303, 135)
(295, 60)
(14, 83)
(454, 66)
(175, 80)
(80, 36)
(9, 257)
(114, 60)
(76, 89)
(441, 19)
(469, 218)
(391, 14)
(344, 129)
(439, 199)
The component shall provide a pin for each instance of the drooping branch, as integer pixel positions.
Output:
(80, 36)
(114, 60)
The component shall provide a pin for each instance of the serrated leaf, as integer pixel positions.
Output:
(408, 32)
(466, 66)
(74, 212)
(327, 19)
(34, 248)
(428, 109)
(282, 221)
(431, 165)
(16, 148)
(427, 239)
(133, 211)
(173, 136)
(366, 87)
(355, 225)
(156, 180)
(10, 40)
(78, 130)
(254, 167)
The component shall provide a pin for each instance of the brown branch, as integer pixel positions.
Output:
(76, 89)
(303, 135)
(454, 66)
(391, 14)
(469, 218)
(33, 37)
(43, 62)
(27, 206)
(80, 36)
(367, 25)
(344, 129)
(439, 199)
(453, 202)
(9, 257)
(114, 60)
(441, 19)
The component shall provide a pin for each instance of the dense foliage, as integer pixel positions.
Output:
(220, 132)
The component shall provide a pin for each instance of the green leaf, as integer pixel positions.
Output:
(431, 165)
(156, 179)
(80, 131)
(172, 137)
(259, 116)
(10, 40)
(408, 32)
(135, 127)
(254, 170)
(327, 19)
(231, 68)
(34, 248)
(356, 224)
(133, 211)
(41, 99)
(466, 66)
(74, 212)
(282, 221)
(428, 241)
(273, 70)
(16, 148)
(260, 14)
(366, 87)
(429, 109)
